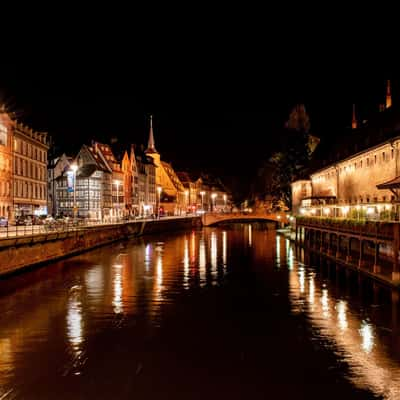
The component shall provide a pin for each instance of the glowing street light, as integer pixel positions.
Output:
(74, 168)
(159, 189)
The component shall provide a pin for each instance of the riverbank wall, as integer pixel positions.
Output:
(19, 253)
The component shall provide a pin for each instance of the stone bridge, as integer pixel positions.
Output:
(214, 218)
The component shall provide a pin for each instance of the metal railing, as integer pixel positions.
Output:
(12, 231)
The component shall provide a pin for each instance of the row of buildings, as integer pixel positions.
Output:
(364, 179)
(96, 183)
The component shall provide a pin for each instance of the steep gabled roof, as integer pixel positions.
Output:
(172, 175)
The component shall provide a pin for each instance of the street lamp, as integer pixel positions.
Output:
(202, 193)
(117, 183)
(225, 202)
(159, 189)
(74, 168)
(213, 196)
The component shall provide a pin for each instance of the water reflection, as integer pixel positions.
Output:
(159, 275)
(278, 251)
(250, 235)
(117, 288)
(74, 320)
(367, 335)
(355, 338)
(213, 258)
(224, 248)
(147, 256)
(186, 263)
(341, 315)
(202, 261)
(109, 303)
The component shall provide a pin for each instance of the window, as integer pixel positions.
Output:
(383, 156)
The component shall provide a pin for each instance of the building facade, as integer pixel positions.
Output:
(172, 196)
(6, 166)
(105, 152)
(362, 184)
(88, 196)
(57, 167)
(29, 171)
(146, 187)
(93, 181)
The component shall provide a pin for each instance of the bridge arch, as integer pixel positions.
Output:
(209, 219)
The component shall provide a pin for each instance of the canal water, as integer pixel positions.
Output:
(233, 312)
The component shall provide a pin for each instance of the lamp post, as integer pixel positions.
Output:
(202, 193)
(117, 183)
(159, 189)
(225, 202)
(74, 168)
(213, 196)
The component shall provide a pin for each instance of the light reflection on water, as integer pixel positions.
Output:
(357, 339)
(128, 285)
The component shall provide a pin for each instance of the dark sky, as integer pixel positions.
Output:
(223, 120)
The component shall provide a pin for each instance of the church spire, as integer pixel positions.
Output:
(354, 120)
(388, 95)
(150, 145)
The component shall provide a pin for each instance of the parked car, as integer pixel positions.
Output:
(3, 221)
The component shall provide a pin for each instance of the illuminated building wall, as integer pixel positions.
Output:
(354, 180)
(300, 190)
(6, 139)
(30, 171)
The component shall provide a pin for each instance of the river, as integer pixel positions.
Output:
(234, 312)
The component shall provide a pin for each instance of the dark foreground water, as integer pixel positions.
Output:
(220, 313)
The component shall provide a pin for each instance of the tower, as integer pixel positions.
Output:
(388, 95)
(151, 148)
(150, 145)
(354, 120)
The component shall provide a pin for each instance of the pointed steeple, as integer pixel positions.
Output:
(388, 95)
(354, 120)
(151, 148)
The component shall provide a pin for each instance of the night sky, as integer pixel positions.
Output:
(223, 122)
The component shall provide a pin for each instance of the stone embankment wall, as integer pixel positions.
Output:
(27, 251)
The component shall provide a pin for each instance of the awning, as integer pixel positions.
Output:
(392, 184)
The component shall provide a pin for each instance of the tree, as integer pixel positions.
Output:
(299, 119)
(292, 160)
